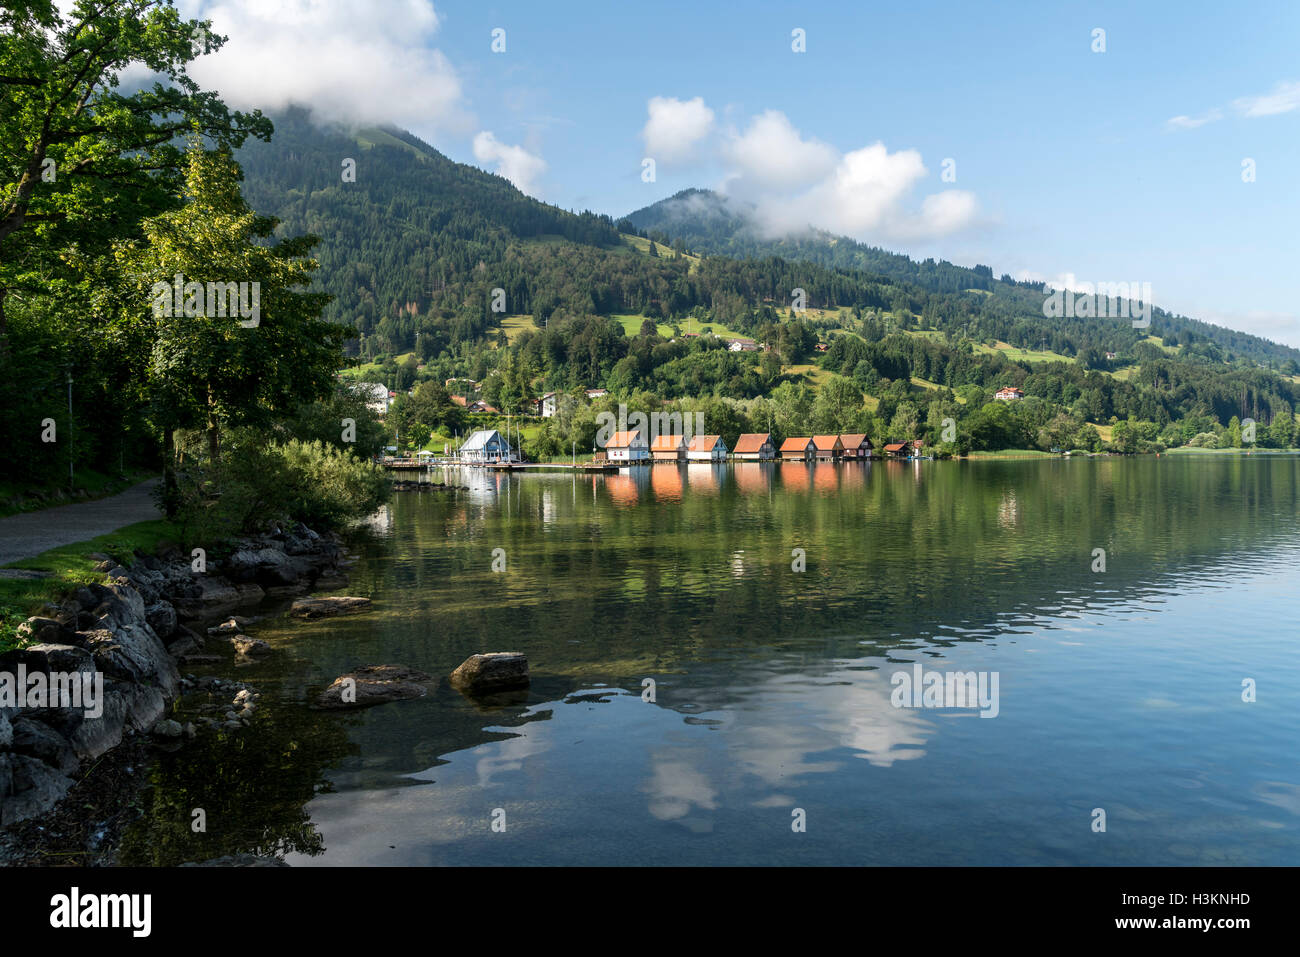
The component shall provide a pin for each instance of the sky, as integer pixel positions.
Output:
(1162, 150)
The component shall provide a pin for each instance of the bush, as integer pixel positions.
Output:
(259, 485)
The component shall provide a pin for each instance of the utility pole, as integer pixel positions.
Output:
(71, 480)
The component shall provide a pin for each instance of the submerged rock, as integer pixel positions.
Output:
(250, 647)
(325, 607)
(491, 672)
(377, 684)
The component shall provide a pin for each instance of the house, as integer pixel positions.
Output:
(743, 345)
(856, 445)
(1110, 355)
(754, 447)
(481, 406)
(917, 445)
(486, 445)
(376, 396)
(798, 448)
(828, 447)
(549, 404)
(1009, 394)
(597, 393)
(897, 449)
(627, 447)
(822, 347)
(668, 448)
(706, 448)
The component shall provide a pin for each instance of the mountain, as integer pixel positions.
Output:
(711, 223)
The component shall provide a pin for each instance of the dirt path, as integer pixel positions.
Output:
(30, 533)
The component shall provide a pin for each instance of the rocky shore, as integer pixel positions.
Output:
(131, 637)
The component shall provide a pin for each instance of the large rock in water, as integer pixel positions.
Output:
(376, 684)
(492, 672)
(324, 607)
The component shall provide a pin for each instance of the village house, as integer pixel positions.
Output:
(484, 446)
(481, 406)
(597, 393)
(828, 447)
(754, 447)
(627, 447)
(548, 404)
(743, 345)
(668, 448)
(856, 445)
(706, 448)
(1009, 394)
(798, 448)
(376, 396)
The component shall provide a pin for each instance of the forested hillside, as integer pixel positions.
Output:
(470, 277)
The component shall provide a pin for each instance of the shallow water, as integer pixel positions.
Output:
(1118, 690)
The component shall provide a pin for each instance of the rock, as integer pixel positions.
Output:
(48, 659)
(190, 730)
(6, 731)
(167, 728)
(38, 740)
(184, 646)
(376, 684)
(250, 593)
(34, 787)
(492, 672)
(135, 653)
(325, 607)
(161, 616)
(45, 631)
(95, 736)
(250, 647)
(199, 659)
(144, 705)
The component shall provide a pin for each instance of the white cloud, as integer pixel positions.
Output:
(1192, 122)
(351, 60)
(1284, 99)
(772, 154)
(787, 183)
(513, 162)
(675, 127)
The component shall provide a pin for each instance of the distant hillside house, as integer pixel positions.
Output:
(668, 448)
(706, 448)
(481, 406)
(828, 447)
(743, 345)
(1009, 394)
(798, 448)
(627, 447)
(485, 445)
(548, 404)
(376, 396)
(597, 393)
(754, 447)
(856, 445)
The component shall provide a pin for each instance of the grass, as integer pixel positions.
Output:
(642, 245)
(815, 374)
(70, 566)
(371, 371)
(514, 326)
(1014, 454)
(1020, 355)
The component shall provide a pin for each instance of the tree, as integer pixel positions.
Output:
(208, 368)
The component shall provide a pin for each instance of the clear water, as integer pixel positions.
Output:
(1119, 690)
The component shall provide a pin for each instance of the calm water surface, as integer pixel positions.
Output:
(1120, 690)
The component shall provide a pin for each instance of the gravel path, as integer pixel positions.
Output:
(30, 533)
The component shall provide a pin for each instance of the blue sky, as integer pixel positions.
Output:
(1066, 160)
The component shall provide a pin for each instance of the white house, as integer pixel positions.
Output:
(376, 396)
(549, 405)
(597, 393)
(706, 448)
(1009, 394)
(627, 447)
(486, 445)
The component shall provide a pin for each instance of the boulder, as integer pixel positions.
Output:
(45, 631)
(48, 659)
(162, 618)
(34, 787)
(95, 736)
(38, 740)
(250, 647)
(491, 672)
(134, 653)
(6, 730)
(326, 607)
(167, 728)
(376, 684)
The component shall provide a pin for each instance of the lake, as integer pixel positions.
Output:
(718, 655)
